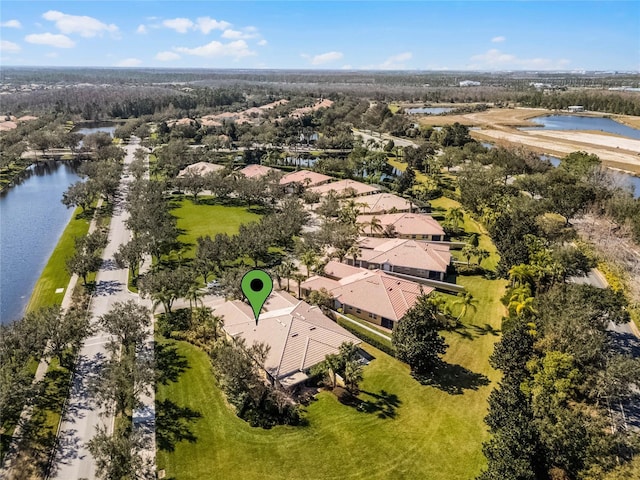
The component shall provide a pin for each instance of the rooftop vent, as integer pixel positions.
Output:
(294, 335)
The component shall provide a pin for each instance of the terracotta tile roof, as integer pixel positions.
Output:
(299, 335)
(252, 171)
(201, 168)
(405, 253)
(372, 291)
(383, 202)
(404, 223)
(343, 188)
(339, 270)
(301, 176)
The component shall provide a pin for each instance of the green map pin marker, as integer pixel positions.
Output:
(256, 286)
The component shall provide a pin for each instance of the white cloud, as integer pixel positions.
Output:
(206, 24)
(262, 42)
(180, 25)
(129, 62)
(494, 59)
(237, 49)
(347, 67)
(9, 47)
(11, 24)
(80, 24)
(53, 40)
(141, 29)
(498, 39)
(245, 33)
(326, 58)
(396, 62)
(167, 56)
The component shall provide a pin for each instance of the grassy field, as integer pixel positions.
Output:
(410, 430)
(55, 273)
(208, 218)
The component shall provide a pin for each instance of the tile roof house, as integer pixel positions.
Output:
(254, 171)
(346, 188)
(417, 226)
(201, 168)
(399, 255)
(372, 295)
(385, 203)
(299, 335)
(305, 178)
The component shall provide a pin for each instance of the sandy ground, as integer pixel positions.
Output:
(611, 141)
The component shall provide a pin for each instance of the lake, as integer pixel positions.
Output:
(574, 122)
(32, 218)
(96, 127)
(429, 110)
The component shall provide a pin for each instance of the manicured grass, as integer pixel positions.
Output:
(55, 275)
(470, 225)
(208, 218)
(414, 431)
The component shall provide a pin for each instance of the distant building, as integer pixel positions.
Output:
(469, 83)
(575, 108)
(384, 203)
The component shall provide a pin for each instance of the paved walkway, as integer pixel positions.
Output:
(82, 416)
(358, 324)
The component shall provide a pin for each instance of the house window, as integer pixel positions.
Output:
(358, 310)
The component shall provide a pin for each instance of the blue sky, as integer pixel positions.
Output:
(477, 35)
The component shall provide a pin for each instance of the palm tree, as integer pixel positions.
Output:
(467, 301)
(194, 296)
(375, 225)
(354, 251)
(454, 217)
(286, 269)
(309, 259)
(352, 375)
(521, 301)
(482, 254)
(299, 277)
(469, 251)
(520, 275)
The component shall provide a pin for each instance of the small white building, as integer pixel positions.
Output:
(575, 108)
(469, 83)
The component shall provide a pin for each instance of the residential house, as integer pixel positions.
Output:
(305, 178)
(256, 171)
(201, 168)
(345, 188)
(371, 295)
(299, 335)
(406, 256)
(385, 203)
(416, 226)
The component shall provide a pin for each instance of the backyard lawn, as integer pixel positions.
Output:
(208, 218)
(408, 430)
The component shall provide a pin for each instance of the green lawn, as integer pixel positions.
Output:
(414, 431)
(208, 218)
(55, 273)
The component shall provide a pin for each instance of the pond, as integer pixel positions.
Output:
(95, 127)
(32, 219)
(429, 110)
(574, 122)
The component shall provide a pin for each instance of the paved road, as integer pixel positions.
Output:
(82, 416)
